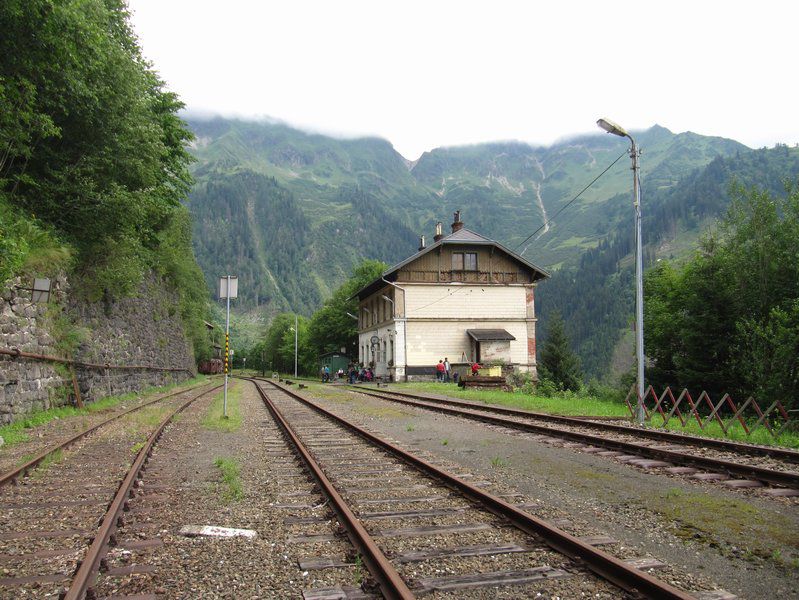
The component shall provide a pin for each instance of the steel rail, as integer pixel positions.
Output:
(391, 584)
(666, 436)
(780, 478)
(81, 582)
(17, 353)
(14, 474)
(603, 564)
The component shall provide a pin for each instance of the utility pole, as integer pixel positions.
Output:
(635, 153)
(228, 288)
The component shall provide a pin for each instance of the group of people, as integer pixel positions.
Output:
(356, 373)
(353, 373)
(445, 374)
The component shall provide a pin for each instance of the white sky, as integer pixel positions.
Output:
(432, 73)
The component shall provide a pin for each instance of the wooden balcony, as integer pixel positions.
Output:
(496, 277)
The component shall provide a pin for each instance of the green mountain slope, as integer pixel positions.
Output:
(304, 208)
(594, 292)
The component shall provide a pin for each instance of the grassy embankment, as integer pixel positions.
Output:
(18, 431)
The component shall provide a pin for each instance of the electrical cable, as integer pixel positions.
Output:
(547, 222)
(565, 206)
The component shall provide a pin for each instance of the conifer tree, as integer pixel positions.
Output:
(559, 363)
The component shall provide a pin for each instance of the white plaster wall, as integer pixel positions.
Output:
(431, 341)
(386, 333)
(465, 301)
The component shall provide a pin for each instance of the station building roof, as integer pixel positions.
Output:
(460, 237)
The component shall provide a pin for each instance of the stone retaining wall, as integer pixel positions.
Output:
(142, 330)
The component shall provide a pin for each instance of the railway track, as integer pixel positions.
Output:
(733, 464)
(420, 529)
(57, 522)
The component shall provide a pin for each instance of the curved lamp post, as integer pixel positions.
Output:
(618, 130)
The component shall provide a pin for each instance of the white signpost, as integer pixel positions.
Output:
(228, 288)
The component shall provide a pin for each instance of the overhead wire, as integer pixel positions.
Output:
(547, 222)
(565, 206)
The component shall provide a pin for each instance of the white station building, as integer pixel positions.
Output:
(464, 297)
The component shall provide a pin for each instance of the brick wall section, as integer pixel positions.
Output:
(144, 329)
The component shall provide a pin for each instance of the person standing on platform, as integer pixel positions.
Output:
(447, 370)
(440, 371)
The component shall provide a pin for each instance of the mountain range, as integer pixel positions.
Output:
(291, 212)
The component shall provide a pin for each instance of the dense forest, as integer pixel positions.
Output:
(727, 320)
(93, 159)
(594, 293)
(248, 224)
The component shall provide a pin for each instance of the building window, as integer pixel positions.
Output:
(464, 261)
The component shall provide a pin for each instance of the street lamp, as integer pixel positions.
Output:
(618, 130)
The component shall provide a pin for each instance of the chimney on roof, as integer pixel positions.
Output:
(439, 233)
(421, 243)
(457, 224)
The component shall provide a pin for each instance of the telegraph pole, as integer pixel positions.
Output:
(228, 288)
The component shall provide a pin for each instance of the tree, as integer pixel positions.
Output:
(331, 328)
(727, 321)
(90, 141)
(559, 363)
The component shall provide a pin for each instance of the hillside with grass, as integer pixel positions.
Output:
(292, 212)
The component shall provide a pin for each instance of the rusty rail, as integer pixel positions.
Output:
(665, 436)
(391, 584)
(17, 353)
(14, 474)
(605, 565)
(771, 476)
(81, 582)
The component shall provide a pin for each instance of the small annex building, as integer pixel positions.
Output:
(334, 360)
(465, 297)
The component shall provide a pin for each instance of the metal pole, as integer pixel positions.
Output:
(639, 285)
(227, 348)
(295, 345)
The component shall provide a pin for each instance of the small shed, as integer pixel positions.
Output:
(490, 344)
(334, 360)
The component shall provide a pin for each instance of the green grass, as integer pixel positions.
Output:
(789, 439)
(214, 419)
(498, 462)
(567, 404)
(17, 432)
(51, 459)
(233, 490)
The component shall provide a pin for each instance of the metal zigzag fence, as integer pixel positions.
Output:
(749, 415)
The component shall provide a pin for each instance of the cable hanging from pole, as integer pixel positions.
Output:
(565, 206)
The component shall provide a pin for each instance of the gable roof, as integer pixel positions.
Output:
(461, 237)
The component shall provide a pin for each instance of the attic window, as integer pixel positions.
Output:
(464, 261)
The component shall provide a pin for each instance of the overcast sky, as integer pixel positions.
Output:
(435, 73)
